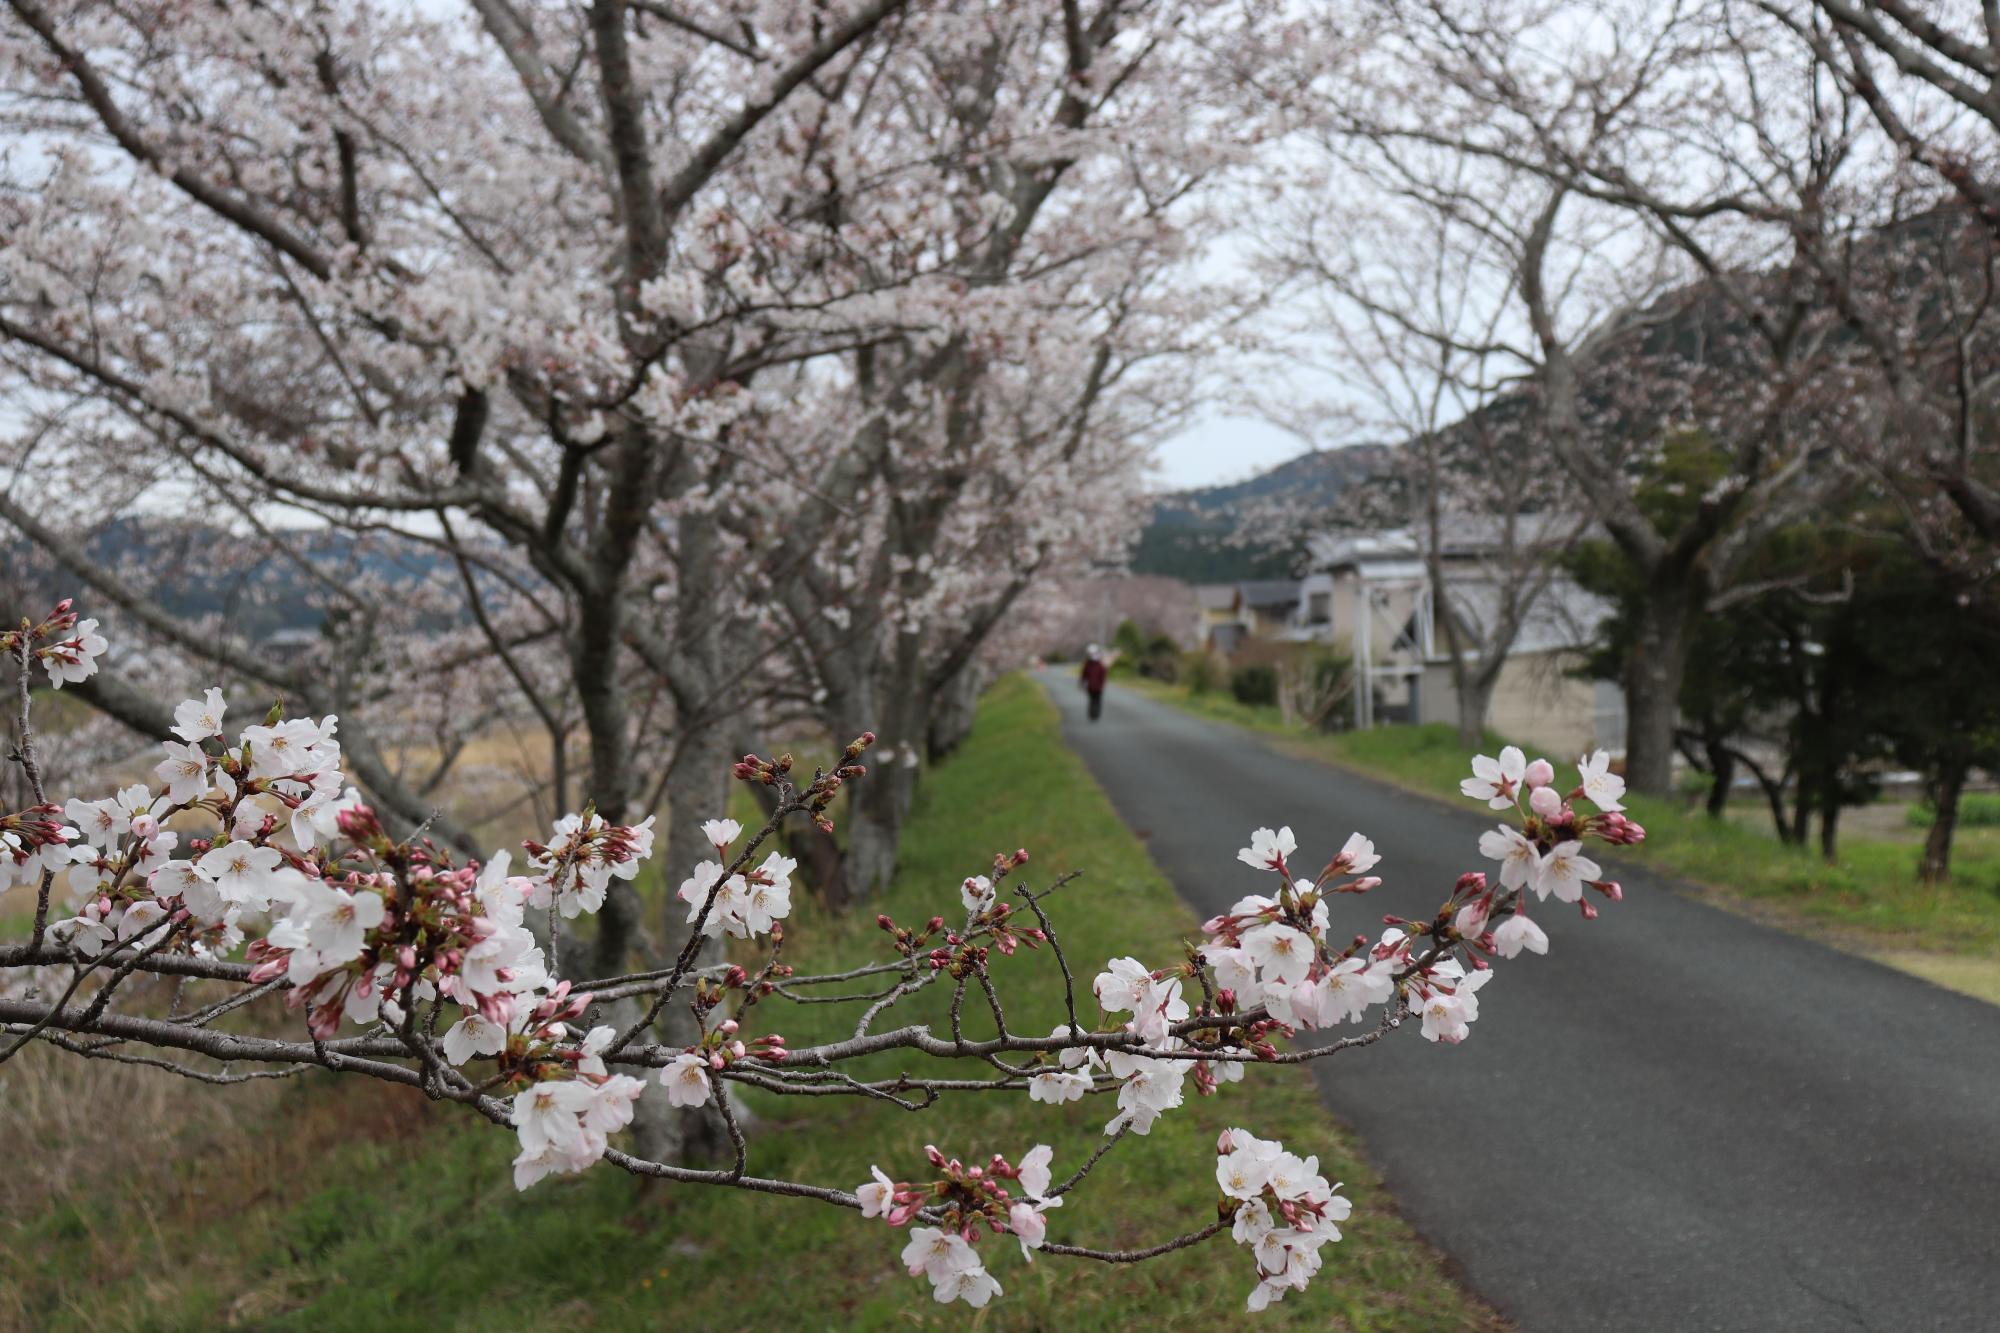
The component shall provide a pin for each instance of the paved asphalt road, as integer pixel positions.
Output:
(1679, 1119)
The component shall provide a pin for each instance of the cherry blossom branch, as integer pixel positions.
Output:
(1214, 1228)
(384, 934)
(31, 768)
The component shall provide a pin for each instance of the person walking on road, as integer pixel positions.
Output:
(1092, 676)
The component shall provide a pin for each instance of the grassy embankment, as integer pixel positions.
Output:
(1869, 901)
(330, 1205)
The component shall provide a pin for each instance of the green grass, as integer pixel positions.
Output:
(1870, 899)
(387, 1212)
(1975, 810)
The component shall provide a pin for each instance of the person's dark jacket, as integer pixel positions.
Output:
(1093, 676)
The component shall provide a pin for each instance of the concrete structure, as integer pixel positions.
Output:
(1368, 595)
(1231, 613)
(1216, 625)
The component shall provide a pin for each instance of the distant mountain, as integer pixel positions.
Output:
(194, 570)
(1216, 534)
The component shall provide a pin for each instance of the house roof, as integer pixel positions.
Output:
(1465, 535)
(1215, 596)
(1265, 593)
(1563, 616)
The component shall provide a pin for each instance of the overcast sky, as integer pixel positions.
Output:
(1222, 449)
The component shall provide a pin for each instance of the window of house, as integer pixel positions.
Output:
(1319, 608)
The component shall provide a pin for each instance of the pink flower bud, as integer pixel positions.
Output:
(1470, 922)
(1544, 802)
(1589, 910)
(728, 1027)
(1540, 773)
(323, 1020)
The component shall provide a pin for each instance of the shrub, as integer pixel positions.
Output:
(1256, 683)
(1314, 687)
(1202, 671)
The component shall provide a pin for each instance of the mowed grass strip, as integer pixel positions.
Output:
(358, 1208)
(1868, 900)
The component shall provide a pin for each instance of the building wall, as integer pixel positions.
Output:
(1537, 703)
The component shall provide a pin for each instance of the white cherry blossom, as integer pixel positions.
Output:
(686, 1080)
(1564, 871)
(473, 1035)
(1268, 850)
(876, 1195)
(1601, 787)
(1357, 856)
(1520, 861)
(1497, 781)
(197, 720)
(1516, 933)
(1282, 953)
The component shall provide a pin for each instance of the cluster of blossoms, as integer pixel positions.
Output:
(1268, 968)
(564, 1118)
(66, 647)
(687, 1077)
(1284, 1210)
(261, 835)
(962, 1200)
(269, 800)
(574, 870)
(745, 904)
(1545, 854)
(33, 842)
(1265, 969)
(988, 916)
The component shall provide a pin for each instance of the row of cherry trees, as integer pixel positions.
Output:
(642, 376)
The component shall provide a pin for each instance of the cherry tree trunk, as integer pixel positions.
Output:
(1946, 788)
(880, 801)
(875, 820)
(1829, 820)
(697, 789)
(1722, 766)
(1653, 672)
(952, 713)
(1475, 698)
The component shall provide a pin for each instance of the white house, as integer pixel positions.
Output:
(1368, 594)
